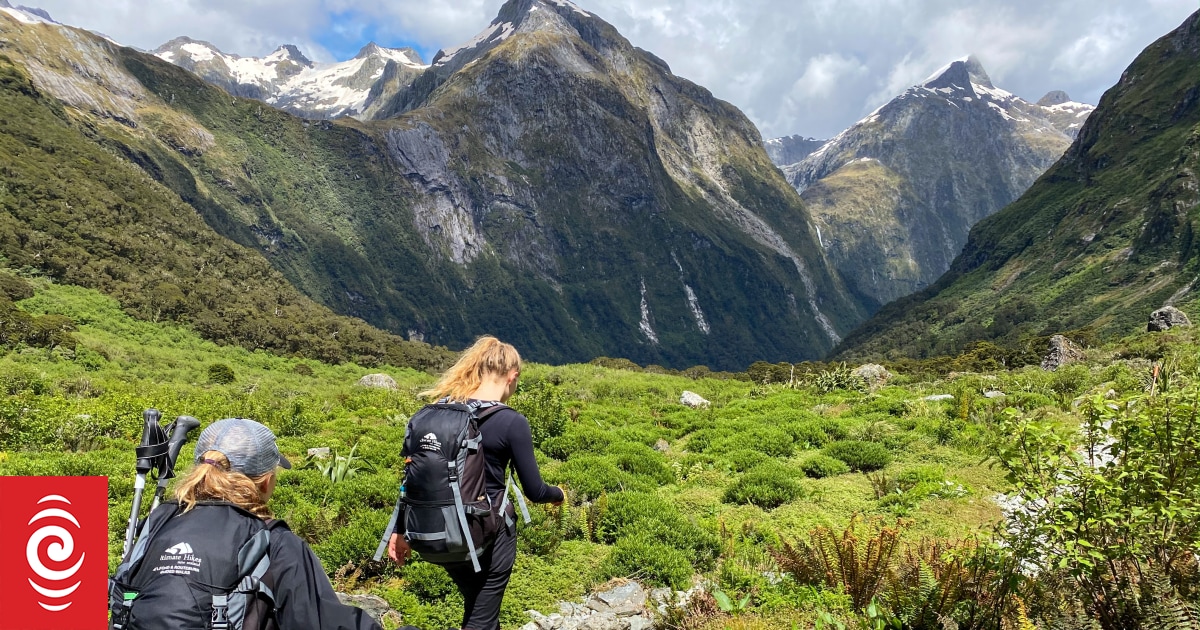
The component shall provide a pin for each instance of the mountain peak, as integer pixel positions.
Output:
(290, 51)
(183, 40)
(960, 72)
(407, 55)
(1055, 97)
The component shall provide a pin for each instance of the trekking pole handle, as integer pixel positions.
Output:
(179, 435)
(182, 426)
(151, 433)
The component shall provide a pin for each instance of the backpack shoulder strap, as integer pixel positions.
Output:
(254, 560)
(483, 413)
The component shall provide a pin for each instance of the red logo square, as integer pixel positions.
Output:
(54, 553)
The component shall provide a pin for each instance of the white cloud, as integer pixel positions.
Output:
(794, 66)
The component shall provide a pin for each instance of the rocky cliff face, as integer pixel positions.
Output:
(548, 182)
(791, 149)
(551, 142)
(290, 81)
(895, 195)
(1104, 237)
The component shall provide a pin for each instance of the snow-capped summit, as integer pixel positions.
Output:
(895, 195)
(404, 56)
(289, 80)
(961, 73)
(515, 16)
(26, 15)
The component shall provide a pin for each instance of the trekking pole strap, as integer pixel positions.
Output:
(388, 531)
(520, 497)
(462, 516)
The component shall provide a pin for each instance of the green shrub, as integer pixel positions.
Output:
(631, 513)
(542, 403)
(580, 438)
(821, 466)
(429, 582)
(768, 485)
(589, 476)
(355, 542)
(745, 459)
(642, 461)
(768, 440)
(648, 560)
(303, 369)
(15, 288)
(221, 374)
(808, 434)
(860, 456)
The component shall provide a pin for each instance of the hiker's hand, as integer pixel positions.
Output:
(398, 549)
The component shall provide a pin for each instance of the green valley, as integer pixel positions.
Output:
(731, 494)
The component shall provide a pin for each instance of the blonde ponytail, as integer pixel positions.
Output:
(216, 482)
(489, 356)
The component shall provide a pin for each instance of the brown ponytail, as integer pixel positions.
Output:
(216, 482)
(488, 356)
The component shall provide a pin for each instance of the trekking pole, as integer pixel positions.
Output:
(149, 453)
(179, 430)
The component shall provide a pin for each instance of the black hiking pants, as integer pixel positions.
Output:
(482, 592)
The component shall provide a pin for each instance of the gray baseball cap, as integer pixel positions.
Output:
(248, 445)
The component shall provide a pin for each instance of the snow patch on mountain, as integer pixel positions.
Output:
(27, 15)
(494, 33)
(287, 79)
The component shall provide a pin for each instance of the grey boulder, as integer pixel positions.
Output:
(1167, 318)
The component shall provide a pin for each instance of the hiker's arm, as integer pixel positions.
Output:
(304, 598)
(520, 441)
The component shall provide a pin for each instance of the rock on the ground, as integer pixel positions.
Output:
(662, 446)
(1167, 318)
(374, 606)
(939, 397)
(378, 380)
(321, 452)
(693, 400)
(1062, 352)
(873, 373)
(993, 393)
(624, 601)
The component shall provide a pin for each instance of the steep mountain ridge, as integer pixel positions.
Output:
(561, 189)
(290, 81)
(791, 149)
(1104, 237)
(895, 195)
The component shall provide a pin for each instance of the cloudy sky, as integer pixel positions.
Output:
(809, 67)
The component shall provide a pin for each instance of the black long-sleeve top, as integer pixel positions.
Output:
(304, 598)
(508, 438)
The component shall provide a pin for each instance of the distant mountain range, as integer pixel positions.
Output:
(1105, 236)
(894, 196)
(289, 81)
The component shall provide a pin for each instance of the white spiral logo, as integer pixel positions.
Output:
(59, 551)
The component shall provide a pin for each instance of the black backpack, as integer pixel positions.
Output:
(181, 573)
(448, 515)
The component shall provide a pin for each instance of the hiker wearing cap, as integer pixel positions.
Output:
(475, 387)
(214, 557)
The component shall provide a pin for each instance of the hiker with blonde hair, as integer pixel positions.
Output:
(467, 441)
(214, 557)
